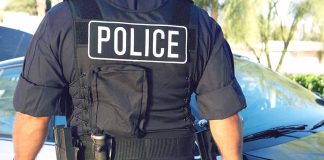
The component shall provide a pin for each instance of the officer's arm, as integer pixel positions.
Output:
(227, 134)
(29, 135)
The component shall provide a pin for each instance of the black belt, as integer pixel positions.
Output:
(143, 149)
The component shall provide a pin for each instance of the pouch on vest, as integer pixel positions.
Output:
(119, 99)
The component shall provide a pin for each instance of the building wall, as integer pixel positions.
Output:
(303, 57)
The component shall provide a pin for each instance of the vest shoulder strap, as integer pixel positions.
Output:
(181, 12)
(85, 9)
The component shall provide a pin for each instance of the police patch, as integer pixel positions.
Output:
(137, 42)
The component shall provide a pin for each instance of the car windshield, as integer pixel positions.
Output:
(8, 81)
(274, 100)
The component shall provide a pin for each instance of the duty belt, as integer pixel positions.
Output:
(141, 149)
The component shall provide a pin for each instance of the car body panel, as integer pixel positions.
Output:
(13, 43)
(273, 99)
(310, 147)
(6, 151)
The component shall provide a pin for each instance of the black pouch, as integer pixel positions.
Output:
(119, 99)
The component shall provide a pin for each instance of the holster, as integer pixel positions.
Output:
(206, 145)
(65, 150)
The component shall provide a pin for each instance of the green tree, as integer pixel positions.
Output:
(28, 6)
(317, 14)
(239, 22)
(268, 30)
(250, 22)
(300, 10)
(264, 23)
(236, 16)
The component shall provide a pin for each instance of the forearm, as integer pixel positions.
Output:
(28, 135)
(227, 134)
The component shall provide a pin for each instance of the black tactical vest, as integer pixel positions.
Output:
(135, 68)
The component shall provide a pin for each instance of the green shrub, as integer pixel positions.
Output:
(315, 83)
(28, 6)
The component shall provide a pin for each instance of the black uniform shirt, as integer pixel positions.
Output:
(48, 69)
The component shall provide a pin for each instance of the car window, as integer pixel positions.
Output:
(8, 81)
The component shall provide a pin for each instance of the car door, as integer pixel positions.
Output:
(9, 75)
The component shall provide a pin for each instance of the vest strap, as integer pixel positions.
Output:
(85, 9)
(181, 12)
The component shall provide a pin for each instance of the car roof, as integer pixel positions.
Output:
(12, 62)
(13, 43)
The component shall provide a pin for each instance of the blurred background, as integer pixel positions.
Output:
(286, 36)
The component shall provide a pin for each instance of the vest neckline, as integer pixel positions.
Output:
(136, 11)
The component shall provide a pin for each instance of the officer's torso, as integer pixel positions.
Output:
(139, 64)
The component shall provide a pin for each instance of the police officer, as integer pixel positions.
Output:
(126, 69)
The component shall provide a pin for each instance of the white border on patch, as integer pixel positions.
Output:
(139, 24)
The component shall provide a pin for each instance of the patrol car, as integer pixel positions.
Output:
(282, 121)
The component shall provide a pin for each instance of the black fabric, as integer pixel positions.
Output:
(154, 149)
(57, 102)
(49, 63)
(181, 12)
(159, 81)
(119, 96)
(226, 93)
(137, 5)
(225, 103)
(192, 42)
(81, 32)
(85, 9)
(143, 149)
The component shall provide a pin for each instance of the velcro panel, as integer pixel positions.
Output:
(85, 9)
(192, 40)
(181, 15)
(81, 32)
(181, 12)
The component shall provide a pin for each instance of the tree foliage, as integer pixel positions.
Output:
(239, 23)
(317, 14)
(28, 6)
(264, 23)
(251, 22)
(300, 10)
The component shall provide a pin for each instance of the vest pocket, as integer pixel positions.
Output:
(119, 99)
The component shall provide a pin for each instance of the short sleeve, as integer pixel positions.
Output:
(218, 93)
(41, 89)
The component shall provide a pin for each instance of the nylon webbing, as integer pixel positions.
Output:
(181, 15)
(181, 12)
(86, 9)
